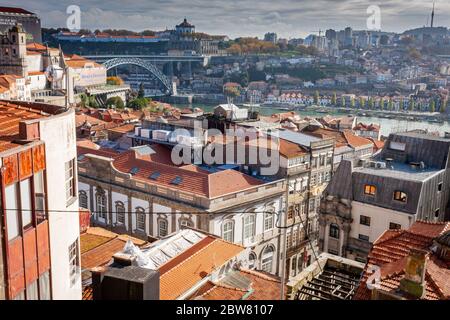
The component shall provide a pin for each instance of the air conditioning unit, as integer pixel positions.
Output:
(380, 165)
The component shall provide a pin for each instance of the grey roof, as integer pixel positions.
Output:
(296, 137)
(400, 171)
(341, 184)
(432, 150)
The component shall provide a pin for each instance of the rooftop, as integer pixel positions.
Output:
(14, 10)
(11, 114)
(400, 171)
(390, 251)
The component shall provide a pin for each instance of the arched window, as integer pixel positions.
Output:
(163, 227)
(140, 219)
(267, 259)
(334, 231)
(249, 226)
(82, 196)
(268, 221)
(100, 199)
(252, 260)
(185, 222)
(228, 231)
(120, 211)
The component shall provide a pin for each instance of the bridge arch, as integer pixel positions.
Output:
(115, 62)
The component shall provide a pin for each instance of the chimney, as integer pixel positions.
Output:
(413, 284)
(125, 283)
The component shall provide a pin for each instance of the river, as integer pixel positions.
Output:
(387, 125)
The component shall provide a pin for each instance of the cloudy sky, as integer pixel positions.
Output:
(289, 18)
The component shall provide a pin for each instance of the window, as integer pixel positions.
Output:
(288, 240)
(39, 197)
(120, 212)
(33, 291)
(267, 259)
(400, 196)
(140, 219)
(334, 231)
(249, 226)
(331, 251)
(268, 221)
(252, 260)
(44, 286)
(101, 204)
(436, 213)
(364, 220)
(70, 181)
(363, 237)
(12, 217)
(294, 266)
(228, 231)
(74, 261)
(440, 186)
(312, 205)
(25, 203)
(290, 213)
(186, 223)
(394, 226)
(83, 199)
(370, 189)
(162, 228)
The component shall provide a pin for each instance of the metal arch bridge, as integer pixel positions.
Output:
(115, 62)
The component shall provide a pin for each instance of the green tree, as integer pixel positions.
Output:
(381, 104)
(412, 104)
(362, 103)
(141, 92)
(139, 103)
(115, 102)
(443, 105)
(92, 102)
(316, 97)
(352, 103)
(334, 99)
(390, 105)
(432, 106)
(371, 103)
(342, 102)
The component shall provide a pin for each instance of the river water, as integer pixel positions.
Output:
(387, 125)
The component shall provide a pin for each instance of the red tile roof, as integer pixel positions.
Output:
(390, 251)
(14, 10)
(262, 287)
(184, 275)
(10, 116)
(201, 183)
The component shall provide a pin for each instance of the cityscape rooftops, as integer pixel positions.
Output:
(392, 253)
(12, 114)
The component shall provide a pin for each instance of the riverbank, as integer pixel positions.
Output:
(388, 125)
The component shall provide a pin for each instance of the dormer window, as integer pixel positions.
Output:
(370, 189)
(400, 196)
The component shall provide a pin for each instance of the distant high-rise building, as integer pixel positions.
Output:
(10, 16)
(348, 36)
(271, 37)
(331, 34)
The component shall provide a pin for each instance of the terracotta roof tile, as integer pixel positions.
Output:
(390, 251)
(10, 116)
(190, 271)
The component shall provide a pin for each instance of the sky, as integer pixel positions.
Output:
(237, 18)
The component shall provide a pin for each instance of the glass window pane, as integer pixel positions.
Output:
(44, 286)
(12, 218)
(32, 291)
(25, 198)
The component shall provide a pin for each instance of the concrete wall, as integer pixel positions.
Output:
(58, 132)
